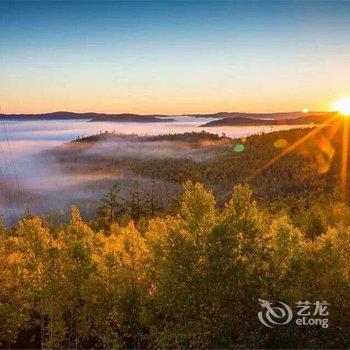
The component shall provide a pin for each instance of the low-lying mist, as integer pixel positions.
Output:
(32, 179)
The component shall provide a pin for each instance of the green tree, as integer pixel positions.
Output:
(112, 203)
(115, 296)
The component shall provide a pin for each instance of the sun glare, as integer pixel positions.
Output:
(342, 106)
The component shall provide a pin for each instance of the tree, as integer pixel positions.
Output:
(78, 242)
(153, 205)
(178, 271)
(14, 300)
(135, 206)
(115, 296)
(112, 203)
(33, 246)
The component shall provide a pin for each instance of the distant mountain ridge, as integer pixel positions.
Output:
(223, 118)
(96, 117)
(272, 115)
(289, 118)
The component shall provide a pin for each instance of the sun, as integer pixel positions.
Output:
(342, 106)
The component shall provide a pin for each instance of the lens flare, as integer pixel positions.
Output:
(342, 106)
(239, 148)
(281, 143)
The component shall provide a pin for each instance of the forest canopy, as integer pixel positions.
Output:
(191, 279)
(156, 267)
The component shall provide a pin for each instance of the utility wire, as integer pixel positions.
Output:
(6, 177)
(19, 194)
(10, 153)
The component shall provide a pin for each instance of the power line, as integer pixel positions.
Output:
(10, 152)
(19, 194)
(6, 177)
(6, 173)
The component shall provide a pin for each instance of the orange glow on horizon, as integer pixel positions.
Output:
(342, 106)
(154, 102)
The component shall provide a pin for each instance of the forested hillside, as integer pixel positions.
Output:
(192, 279)
(187, 275)
(302, 183)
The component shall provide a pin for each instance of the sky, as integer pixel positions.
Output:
(173, 57)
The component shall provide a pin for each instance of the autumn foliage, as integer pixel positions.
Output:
(188, 280)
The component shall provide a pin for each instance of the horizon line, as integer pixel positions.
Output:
(165, 114)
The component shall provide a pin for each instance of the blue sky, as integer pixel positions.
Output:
(173, 56)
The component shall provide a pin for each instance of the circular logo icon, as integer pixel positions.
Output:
(279, 314)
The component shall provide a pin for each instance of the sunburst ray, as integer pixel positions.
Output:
(292, 147)
(344, 161)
